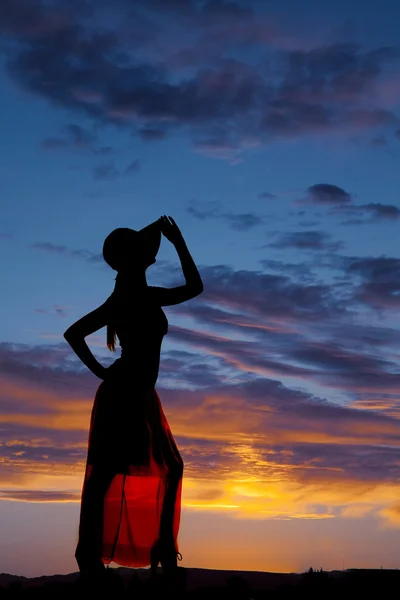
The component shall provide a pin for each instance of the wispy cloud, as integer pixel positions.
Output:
(76, 137)
(238, 221)
(39, 496)
(86, 255)
(109, 171)
(60, 311)
(306, 240)
(266, 196)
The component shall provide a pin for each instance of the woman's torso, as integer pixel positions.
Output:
(140, 326)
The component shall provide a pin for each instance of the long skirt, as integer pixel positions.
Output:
(132, 452)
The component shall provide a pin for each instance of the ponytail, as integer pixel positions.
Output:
(111, 333)
(121, 290)
(111, 338)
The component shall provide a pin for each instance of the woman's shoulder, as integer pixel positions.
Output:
(108, 301)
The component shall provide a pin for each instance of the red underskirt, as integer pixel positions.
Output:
(130, 441)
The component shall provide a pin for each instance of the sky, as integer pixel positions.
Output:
(270, 131)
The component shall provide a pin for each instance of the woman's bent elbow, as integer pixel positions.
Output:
(198, 289)
(69, 334)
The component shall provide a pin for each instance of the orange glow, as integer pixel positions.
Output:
(248, 481)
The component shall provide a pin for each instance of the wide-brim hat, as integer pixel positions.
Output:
(150, 238)
(125, 244)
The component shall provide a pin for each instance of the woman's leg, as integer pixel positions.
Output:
(165, 548)
(89, 549)
(173, 480)
(166, 455)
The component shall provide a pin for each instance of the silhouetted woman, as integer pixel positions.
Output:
(131, 495)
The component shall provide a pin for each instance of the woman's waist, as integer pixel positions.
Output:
(137, 359)
(144, 353)
(139, 370)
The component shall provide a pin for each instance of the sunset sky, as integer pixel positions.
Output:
(270, 131)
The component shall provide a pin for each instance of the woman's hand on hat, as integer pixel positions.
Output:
(170, 230)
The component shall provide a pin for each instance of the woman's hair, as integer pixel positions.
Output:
(115, 248)
(121, 290)
(111, 338)
(120, 248)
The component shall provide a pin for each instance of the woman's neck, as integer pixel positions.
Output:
(131, 280)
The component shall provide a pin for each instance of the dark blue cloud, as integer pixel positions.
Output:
(306, 240)
(327, 193)
(114, 78)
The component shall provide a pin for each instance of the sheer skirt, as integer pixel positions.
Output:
(133, 476)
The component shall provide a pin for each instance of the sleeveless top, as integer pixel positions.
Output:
(140, 325)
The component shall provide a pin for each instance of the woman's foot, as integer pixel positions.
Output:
(164, 552)
(102, 580)
(92, 573)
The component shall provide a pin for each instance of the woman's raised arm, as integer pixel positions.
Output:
(194, 285)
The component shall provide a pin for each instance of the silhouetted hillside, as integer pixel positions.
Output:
(199, 584)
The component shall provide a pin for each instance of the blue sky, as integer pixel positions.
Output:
(270, 131)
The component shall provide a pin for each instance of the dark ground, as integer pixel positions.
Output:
(206, 584)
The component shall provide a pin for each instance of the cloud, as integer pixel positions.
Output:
(268, 294)
(368, 214)
(76, 137)
(133, 167)
(266, 196)
(328, 194)
(339, 202)
(300, 271)
(224, 9)
(381, 211)
(294, 355)
(212, 212)
(244, 221)
(109, 171)
(106, 172)
(39, 496)
(190, 371)
(147, 73)
(238, 222)
(293, 328)
(58, 310)
(204, 14)
(86, 255)
(149, 134)
(31, 19)
(246, 437)
(298, 410)
(306, 240)
(380, 281)
(218, 145)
